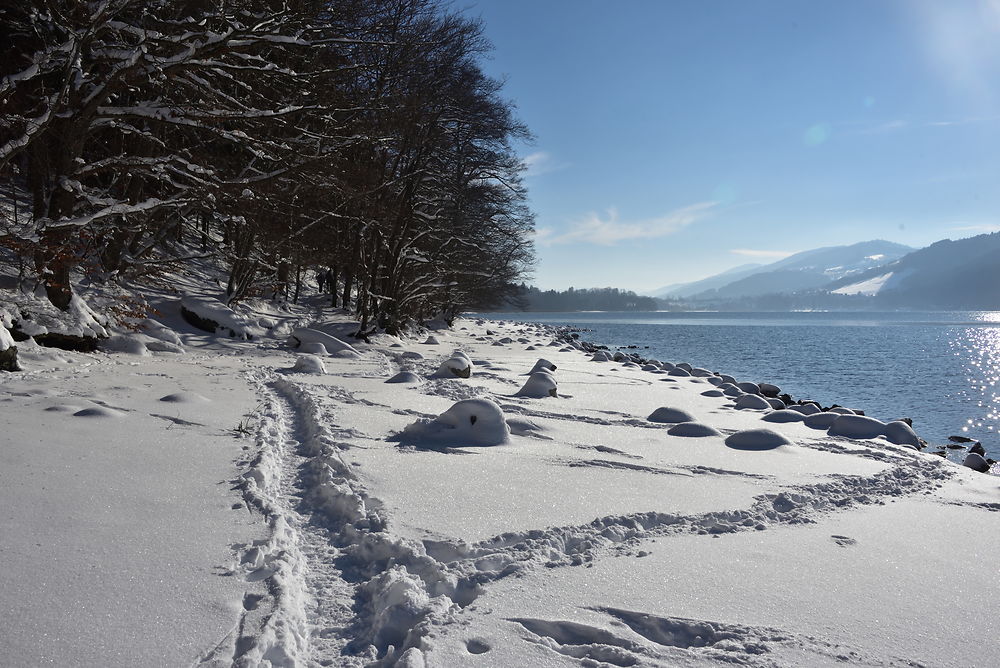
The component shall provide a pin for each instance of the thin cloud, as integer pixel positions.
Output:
(770, 254)
(983, 228)
(607, 230)
(541, 162)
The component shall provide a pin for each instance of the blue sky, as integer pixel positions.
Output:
(679, 138)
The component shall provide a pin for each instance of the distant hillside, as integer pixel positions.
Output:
(589, 299)
(812, 269)
(962, 274)
(682, 290)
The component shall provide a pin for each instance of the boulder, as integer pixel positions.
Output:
(976, 462)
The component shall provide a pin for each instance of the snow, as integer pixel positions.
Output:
(539, 385)
(207, 507)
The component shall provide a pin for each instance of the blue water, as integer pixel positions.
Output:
(939, 368)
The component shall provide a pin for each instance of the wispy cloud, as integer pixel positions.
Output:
(541, 162)
(752, 252)
(981, 228)
(899, 125)
(608, 229)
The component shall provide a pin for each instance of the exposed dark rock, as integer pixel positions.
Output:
(80, 344)
(960, 439)
(8, 359)
(907, 420)
(195, 320)
(978, 449)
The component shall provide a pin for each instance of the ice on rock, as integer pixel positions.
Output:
(539, 385)
(304, 335)
(667, 414)
(468, 422)
(309, 364)
(454, 367)
(856, 426)
(752, 402)
(756, 439)
(693, 430)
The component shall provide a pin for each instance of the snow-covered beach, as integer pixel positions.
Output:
(228, 502)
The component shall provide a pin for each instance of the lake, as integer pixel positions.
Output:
(938, 368)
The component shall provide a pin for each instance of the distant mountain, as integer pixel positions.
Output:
(962, 274)
(717, 281)
(807, 270)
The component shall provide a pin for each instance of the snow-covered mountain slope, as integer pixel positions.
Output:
(958, 274)
(809, 269)
(683, 290)
(452, 519)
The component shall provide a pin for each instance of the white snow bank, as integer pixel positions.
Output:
(468, 422)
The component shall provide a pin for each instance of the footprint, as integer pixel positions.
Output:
(843, 541)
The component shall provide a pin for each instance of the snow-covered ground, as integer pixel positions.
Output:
(277, 502)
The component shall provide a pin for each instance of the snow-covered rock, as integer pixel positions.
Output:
(900, 433)
(431, 341)
(667, 414)
(454, 367)
(539, 385)
(405, 377)
(752, 402)
(783, 416)
(856, 426)
(806, 409)
(819, 419)
(976, 462)
(309, 364)
(211, 315)
(756, 439)
(468, 422)
(303, 335)
(314, 348)
(693, 430)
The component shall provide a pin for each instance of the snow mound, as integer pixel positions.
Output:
(668, 414)
(211, 315)
(160, 332)
(806, 409)
(309, 364)
(405, 377)
(314, 348)
(454, 367)
(601, 356)
(347, 354)
(125, 343)
(712, 393)
(468, 422)
(856, 426)
(752, 402)
(431, 341)
(678, 371)
(820, 420)
(185, 398)
(693, 430)
(539, 385)
(304, 335)
(756, 439)
(784, 416)
(97, 412)
(750, 388)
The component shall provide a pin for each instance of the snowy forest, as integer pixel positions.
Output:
(355, 138)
